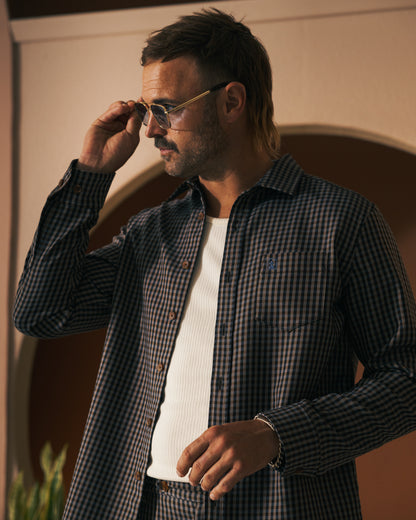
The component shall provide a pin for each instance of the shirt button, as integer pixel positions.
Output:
(201, 215)
(77, 189)
(164, 486)
(172, 315)
(149, 421)
(186, 264)
(160, 367)
(138, 475)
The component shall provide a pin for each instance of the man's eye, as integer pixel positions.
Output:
(168, 107)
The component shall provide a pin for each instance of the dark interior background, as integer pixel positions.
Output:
(34, 8)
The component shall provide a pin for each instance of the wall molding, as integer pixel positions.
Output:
(143, 19)
(344, 131)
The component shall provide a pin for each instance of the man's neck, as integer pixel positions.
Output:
(222, 191)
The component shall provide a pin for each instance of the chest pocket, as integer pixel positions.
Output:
(292, 289)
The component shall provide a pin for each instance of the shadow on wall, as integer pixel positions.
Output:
(64, 370)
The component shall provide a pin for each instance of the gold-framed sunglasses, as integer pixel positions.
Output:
(161, 112)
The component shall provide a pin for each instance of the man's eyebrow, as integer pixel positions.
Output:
(164, 101)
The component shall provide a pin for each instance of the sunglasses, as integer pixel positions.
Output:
(161, 113)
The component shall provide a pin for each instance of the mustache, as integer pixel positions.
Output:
(161, 142)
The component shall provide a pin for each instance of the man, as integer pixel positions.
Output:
(236, 310)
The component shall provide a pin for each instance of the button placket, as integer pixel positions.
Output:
(227, 305)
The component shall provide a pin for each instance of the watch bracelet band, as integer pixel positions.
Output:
(278, 461)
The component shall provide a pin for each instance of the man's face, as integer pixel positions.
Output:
(195, 143)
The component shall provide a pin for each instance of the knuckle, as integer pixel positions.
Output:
(221, 444)
(197, 466)
(186, 453)
(206, 483)
(214, 430)
(238, 466)
(232, 453)
(193, 480)
(226, 487)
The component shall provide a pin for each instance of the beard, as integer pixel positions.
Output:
(204, 155)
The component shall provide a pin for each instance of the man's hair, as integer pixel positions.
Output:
(225, 50)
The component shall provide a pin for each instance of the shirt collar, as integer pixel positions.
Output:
(283, 176)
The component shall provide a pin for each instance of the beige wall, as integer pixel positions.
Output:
(5, 231)
(347, 65)
(346, 70)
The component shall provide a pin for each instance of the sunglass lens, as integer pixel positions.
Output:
(160, 116)
(142, 111)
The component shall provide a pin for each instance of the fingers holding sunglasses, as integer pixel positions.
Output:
(115, 117)
(111, 139)
(118, 116)
(134, 121)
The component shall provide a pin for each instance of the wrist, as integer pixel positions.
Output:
(86, 166)
(276, 461)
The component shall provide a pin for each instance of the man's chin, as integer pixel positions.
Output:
(171, 170)
(174, 171)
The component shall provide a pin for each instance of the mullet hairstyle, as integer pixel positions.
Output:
(225, 50)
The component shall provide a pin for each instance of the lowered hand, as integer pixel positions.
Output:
(224, 455)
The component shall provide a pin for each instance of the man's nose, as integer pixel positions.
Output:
(153, 129)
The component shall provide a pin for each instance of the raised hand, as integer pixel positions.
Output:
(111, 139)
(224, 455)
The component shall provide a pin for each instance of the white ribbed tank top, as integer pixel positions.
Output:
(185, 408)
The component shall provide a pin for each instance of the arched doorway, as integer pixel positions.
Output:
(64, 369)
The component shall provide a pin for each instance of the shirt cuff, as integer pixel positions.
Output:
(83, 188)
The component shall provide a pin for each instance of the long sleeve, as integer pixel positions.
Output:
(380, 324)
(62, 289)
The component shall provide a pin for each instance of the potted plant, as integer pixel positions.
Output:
(41, 502)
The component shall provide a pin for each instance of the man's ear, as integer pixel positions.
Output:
(234, 101)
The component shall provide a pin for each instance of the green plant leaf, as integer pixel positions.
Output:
(46, 456)
(59, 462)
(44, 491)
(49, 510)
(45, 502)
(33, 502)
(17, 499)
(59, 502)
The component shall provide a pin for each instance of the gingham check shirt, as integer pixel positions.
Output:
(311, 280)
